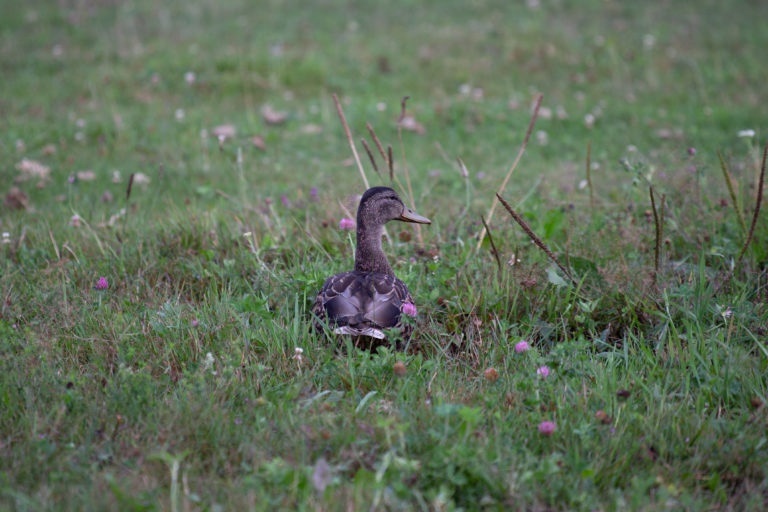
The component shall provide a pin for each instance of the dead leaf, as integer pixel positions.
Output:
(271, 116)
(410, 124)
(16, 199)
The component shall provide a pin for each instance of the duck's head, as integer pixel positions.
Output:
(380, 205)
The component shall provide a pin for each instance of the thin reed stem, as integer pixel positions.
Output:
(758, 201)
(534, 115)
(589, 176)
(732, 192)
(657, 245)
(370, 155)
(405, 164)
(493, 246)
(536, 239)
(349, 139)
(376, 141)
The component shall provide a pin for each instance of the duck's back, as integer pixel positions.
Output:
(361, 303)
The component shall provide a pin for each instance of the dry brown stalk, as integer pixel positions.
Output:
(349, 138)
(370, 155)
(376, 141)
(534, 115)
(732, 191)
(657, 245)
(130, 186)
(589, 176)
(532, 236)
(759, 200)
(391, 163)
(493, 246)
(405, 164)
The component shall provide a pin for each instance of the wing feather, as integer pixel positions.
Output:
(361, 302)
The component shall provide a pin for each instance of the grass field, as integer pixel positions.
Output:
(173, 383)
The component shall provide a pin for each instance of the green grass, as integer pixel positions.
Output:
(177, 388)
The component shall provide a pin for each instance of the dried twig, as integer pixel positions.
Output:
(493, 246)
(731, 190)
(535, 114)
(535, 238)
(349, 138)
(589, 176)
(370, 155)
(391, 163)
(759, 200)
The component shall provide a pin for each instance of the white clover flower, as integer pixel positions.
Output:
(748, 134)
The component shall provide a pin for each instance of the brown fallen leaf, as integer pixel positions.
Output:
(16, 199)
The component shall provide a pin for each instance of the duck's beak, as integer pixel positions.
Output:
(411, 216)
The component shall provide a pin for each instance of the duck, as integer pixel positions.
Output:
(370, 299)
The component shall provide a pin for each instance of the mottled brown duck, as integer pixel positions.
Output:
(365, 302)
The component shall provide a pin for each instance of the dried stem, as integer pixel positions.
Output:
(405, 164)
(130, 186)
(370, 155)
(514, 164)
(657, 245)
(391, 163)
(535, 238)
(589, 176)
(493, 246)
(376, 141)
(349, 138)
(759, 200)
(731, 190)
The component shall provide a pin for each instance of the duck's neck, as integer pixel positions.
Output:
(369, 257)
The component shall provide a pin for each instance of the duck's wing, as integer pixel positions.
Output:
(361, 303)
